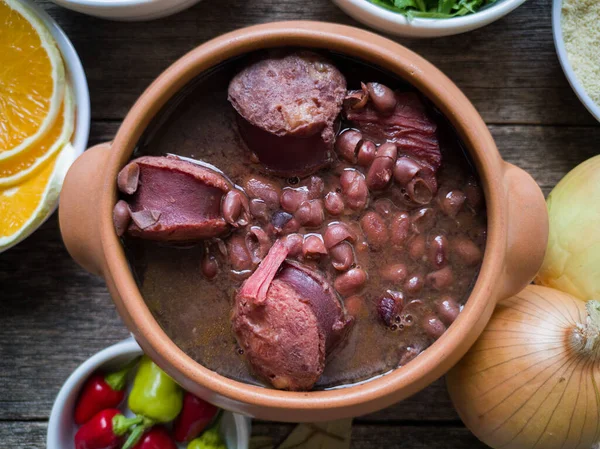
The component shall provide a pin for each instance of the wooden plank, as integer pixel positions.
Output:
(521, 84)
(399, 436)
(30, 435)
(23, 435)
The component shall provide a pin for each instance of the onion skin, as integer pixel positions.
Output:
(572, 261)
(532, 379)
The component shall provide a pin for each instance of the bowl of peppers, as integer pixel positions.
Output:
(120, 399)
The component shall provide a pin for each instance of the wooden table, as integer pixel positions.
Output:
(54, 315)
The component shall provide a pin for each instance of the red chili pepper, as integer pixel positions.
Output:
(156, 438)
(101, 392)
(106, 430)
(195, 416)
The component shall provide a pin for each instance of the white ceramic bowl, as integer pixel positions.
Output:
(77, 79)
(559, 43)
(395, 23)
(61, 427)
(127, 10)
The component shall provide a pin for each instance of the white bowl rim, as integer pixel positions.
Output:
(563, 58)
(488, 14)
(110, 3)
(83, 371)
(78, 80)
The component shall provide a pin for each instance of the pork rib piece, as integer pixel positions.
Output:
(287, 318)
(408, 126)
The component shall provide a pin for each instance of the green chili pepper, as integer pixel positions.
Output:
(210, 439)
(155, 395)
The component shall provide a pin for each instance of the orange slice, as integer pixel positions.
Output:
(32, 78)
(24, 206)
(26, 163)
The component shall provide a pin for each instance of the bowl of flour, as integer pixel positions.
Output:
(576, 26)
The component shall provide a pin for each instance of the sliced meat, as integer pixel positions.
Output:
(287, 318)
(289, 103)
(173, 200)
(408, 126)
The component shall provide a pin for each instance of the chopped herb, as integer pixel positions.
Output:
(433, 9)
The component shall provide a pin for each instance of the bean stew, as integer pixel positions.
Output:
(302, 220)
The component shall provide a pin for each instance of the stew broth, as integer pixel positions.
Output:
(195, 312)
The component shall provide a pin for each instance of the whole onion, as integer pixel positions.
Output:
(572, 261)
(532, 380)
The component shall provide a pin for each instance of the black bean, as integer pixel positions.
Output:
(128, 178)
(452, 202)
(258, 244)
(239, 257)
(400, 229)
(209, 265)
(423, 219)
(438, 251)
(337, 233)
(350, 282)
(383, 98)
(313, 247)
(441, 279)
(395, 272)
(346, 145)
(294, 243)
(374, 229)
(310, 213)
(291, 198)
(414, 284)
(259, 210)
(262, 188)
(405, 170)
(334, 203)
(416, 247)
(354, 189)
(280, 218)
(380, 172)
(463, 249)
(419, 191)
(366, 153)
(342, 256)
(433, 327)
(121, 217)
(235, 208)
(447, 309)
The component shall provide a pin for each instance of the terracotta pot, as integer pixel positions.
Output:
(517, 226)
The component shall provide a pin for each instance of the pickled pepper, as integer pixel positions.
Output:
(154, 396)
(101, 392)
(195, 416)
(106, 430)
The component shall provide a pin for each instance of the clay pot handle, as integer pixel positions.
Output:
(79, 208)
(527, 230)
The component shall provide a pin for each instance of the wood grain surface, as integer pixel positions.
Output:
(54, 315)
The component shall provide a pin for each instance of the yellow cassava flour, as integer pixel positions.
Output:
(581, 32)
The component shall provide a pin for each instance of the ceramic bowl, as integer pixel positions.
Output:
(563, 57)
(76, 78)
(395, 23)
(517, 226)
(127, 10)
(61, 428)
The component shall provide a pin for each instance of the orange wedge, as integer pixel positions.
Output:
(15, 169)
(32, 78)
(25, 206)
